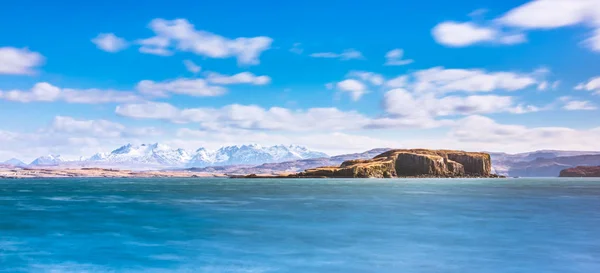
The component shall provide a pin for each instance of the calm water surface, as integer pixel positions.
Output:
(230, 225)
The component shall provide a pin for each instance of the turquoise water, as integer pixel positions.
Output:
(238, 225)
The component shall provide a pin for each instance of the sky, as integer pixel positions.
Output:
(81, 77)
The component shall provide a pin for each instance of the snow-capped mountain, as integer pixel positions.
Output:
(14, 162)
(47, 160)
(144, 154)
(251, 155)
(160, 156)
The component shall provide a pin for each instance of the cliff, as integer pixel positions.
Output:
(410, 163)
(581, 171)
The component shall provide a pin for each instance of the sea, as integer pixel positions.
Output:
(300, 225)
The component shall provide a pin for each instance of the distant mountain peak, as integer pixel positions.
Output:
(155, 154)
(14, 162)
(47, 160)
(251, 154)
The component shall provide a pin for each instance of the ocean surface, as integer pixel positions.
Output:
(309, 225)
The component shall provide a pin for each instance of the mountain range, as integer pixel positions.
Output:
(544, 163)
(290, 166)
(160, 156)
(247, 159)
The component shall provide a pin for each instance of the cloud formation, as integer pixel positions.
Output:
(250, 117)
(19, 61)
(354, 87)
(442, 80)
(97, 128)
(480, 132)
(395, 57)
(533, 15)
(181, 35)
(191, 66)
(571, 104)
(45, 92)
(592, 85)
(182, 86)
(109, 42)
(240, 78)
(346, 55)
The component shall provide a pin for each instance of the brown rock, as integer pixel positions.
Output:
(581, 171)
(414, 162)
(405, 163)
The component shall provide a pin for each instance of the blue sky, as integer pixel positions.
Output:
(479, 75)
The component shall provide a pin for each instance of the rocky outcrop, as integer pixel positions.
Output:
(410, 163)
(581, 171)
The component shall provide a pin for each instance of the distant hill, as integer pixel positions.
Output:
(542, 163)
(581, 171)
(13, 162)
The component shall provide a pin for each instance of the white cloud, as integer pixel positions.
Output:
(397, 82)
(548, 14)
(483, 133)
(45, 92)
(441, 80)
(191, 66)
(457, 34)
(240, 78)
(354, 87)
(19, 61)
(542, 86)
(512, 39)
(533, 15)
(370, 77)
(72, 138)
(250, 117)
(579, 105)
(348, 54)
(593, 42)
(571, 104)
(357, 83)
(156, 45)
(181, 35)
(97, 128)
(394, 57)
(109, 42)
(593, 85)
(191, 87)
(401, 102)
(152, 110)
(297, 48)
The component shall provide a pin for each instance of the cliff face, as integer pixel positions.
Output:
(581, 171)
(410, 163)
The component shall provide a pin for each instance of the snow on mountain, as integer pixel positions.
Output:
(144, 154)
(252, 154)
(47, 160)
(14, 162)
(157, 156)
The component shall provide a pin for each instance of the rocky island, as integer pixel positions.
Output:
(581, 171)
(405, 163)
